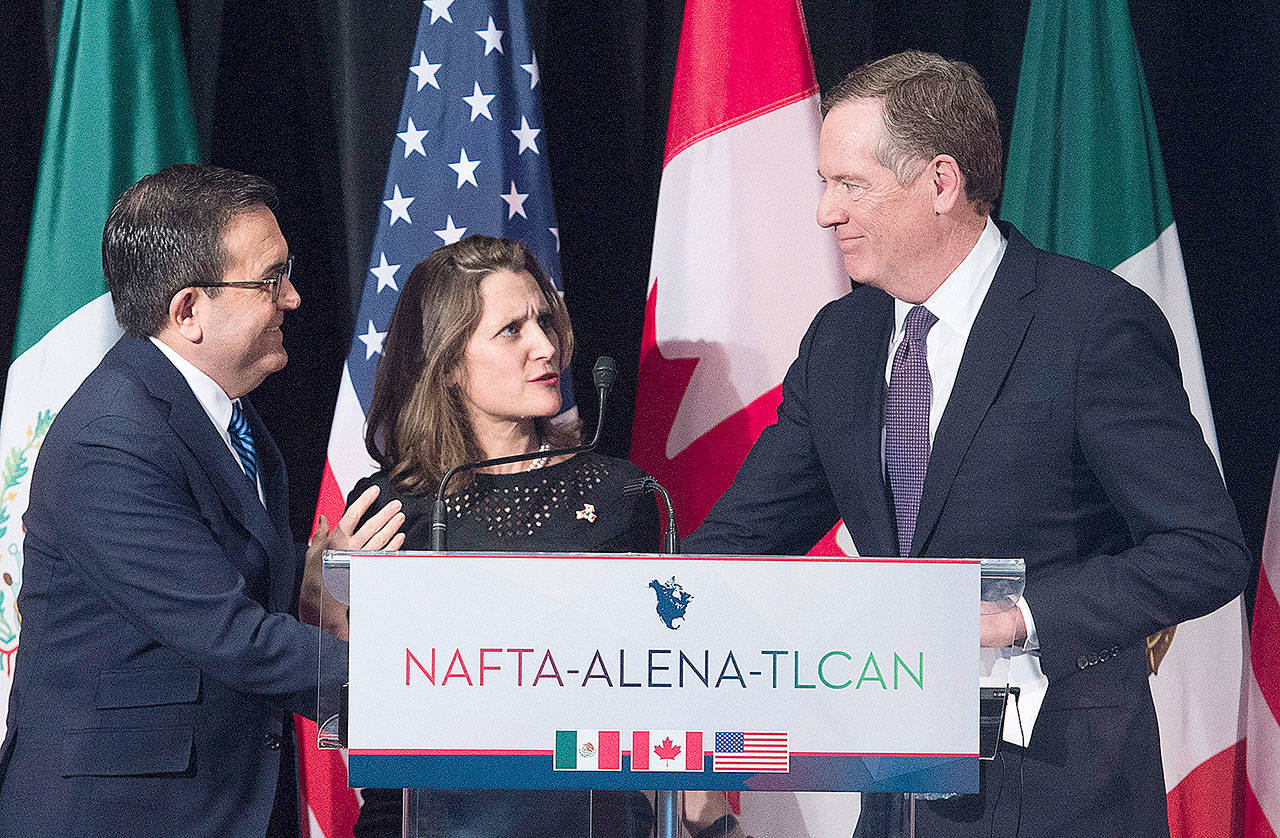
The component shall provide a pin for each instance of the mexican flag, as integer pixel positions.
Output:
(1085, 178)
(588, 750)
(119, 108)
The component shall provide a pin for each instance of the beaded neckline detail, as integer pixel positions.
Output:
(540, 462)
(522, 504)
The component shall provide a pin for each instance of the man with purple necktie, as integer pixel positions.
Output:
(975, 396)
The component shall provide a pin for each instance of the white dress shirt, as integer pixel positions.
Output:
(955, 303)
(216, 403)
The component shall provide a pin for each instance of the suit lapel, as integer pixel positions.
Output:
(872, 327)
(206, 446)
(993, 344)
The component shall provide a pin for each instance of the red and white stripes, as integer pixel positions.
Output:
(1262, 760)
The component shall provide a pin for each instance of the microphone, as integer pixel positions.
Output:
(671, 538)
(604, 373)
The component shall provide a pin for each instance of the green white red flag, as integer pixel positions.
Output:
(1085, 178)
(119, 108)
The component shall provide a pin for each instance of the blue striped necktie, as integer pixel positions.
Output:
(242, 441)
(906, 424)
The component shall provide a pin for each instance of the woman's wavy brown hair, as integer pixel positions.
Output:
(418, 426)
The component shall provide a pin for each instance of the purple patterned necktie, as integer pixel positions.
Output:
(906, 424)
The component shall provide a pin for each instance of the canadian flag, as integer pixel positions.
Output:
(740, 267)
(667, 750)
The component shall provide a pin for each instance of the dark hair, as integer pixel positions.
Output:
(165, 234)
(930, 106)
(418, 426)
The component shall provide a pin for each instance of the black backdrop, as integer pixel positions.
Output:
(308, 94)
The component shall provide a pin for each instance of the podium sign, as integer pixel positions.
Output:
(548, 671)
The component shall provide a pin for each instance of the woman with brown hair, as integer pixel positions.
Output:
(470, 370)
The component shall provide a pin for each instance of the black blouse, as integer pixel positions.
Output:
(575, 505)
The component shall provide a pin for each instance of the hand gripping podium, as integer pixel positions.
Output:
(673, 672)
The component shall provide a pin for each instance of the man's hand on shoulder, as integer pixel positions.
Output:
(381, 532)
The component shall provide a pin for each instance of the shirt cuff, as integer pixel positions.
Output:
(1032, 643)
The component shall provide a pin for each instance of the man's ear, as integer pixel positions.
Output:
(184, 316)
(948, 183)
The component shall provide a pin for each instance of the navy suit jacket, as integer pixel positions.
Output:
(157, 659)
(1067, 441)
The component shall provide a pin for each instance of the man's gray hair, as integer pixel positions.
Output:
(930, 106)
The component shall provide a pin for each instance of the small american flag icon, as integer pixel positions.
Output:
(751, 751)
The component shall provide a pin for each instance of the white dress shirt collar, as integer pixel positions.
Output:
(958, 298)
(215, 401)
(212, 397)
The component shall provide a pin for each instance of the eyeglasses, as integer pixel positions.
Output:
(274, 283)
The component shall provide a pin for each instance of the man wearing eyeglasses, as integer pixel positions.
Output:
(159, 660)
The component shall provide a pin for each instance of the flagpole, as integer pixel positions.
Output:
(665, 803)
(665, 809)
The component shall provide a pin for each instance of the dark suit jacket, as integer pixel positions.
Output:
(1067, 441)
(157, 658)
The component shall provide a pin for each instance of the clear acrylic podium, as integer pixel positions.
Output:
(614, 808)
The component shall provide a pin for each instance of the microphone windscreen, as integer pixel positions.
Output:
(605, 372)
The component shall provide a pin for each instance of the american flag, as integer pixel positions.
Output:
(1262, 754)
(468, 156)
(751, 751)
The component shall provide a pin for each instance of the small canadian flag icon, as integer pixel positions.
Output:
(667, 750)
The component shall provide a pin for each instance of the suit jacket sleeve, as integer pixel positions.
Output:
(780, 502)
(1137, 435)
(155, 558)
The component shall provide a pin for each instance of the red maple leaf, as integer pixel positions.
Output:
(667, 750)
(698, 475)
